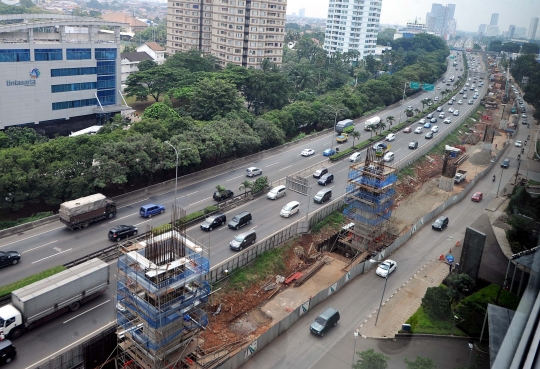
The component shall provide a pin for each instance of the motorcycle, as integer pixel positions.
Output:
(522, 150)
(493, 178)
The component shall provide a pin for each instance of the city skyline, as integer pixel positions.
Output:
(469, 15)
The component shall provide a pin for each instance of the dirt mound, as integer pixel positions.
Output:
(481, 157)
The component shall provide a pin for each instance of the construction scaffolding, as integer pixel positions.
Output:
(370, 195)
(161, 293)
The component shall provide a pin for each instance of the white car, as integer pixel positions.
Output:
(460, 102)
(386, 268)
(438, 87)
(436, 98)
(418, 130)
(390, 137)
(355, 157)
(456, 112)
(308, 152)
(439, 108)
(518, 143)
(441, 116)
(276, 192)
(389, 156)
(454, 98)
(291, 208)
(253, 171)
(451, 110)
(447, 120)
(435, 129)
(422, 121)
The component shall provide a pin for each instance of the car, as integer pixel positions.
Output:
(464, 96)
(355, 157)
(475, 96)
(122, 231)
(429, 103)
(386, 268)
(524, 115)
(253, 171)
(450, 102)
(277, 192)
(423, 120)
(308, 152)
(467, 84)
(461, 92)
(441, 116)
(429, 116)
(429, 135)
(329, 152)
(435, 129)
(326, 179)
(440, 223)
(451, 110)
(213, 221)
(471, 101)
(475, 90)
(436, 98)
(320, 172)
(380, 146)
(243, 240)
(149, 210)
(454, 98)
(427, 125)
(456, 113)
(407, 130)
(418, 130)
(390, 137)
(505, 163)
(439, 109)
(409, 108)
(324, 322)
(433, 120)
(220, 196)
(518, 143)
(8, 352)
(438, 87)
(524, 121)
(389, 156)
(447, 120)
(240, 220)
(9, 258)
(291, 208)
(460, 102)
(477, 197)
(413, 145)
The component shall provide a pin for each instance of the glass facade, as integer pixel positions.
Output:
(47, 54)
(14, 55)
(63, 72)
(74, 87)
(73, 104)
(105, 54)
(106, 71)
(78, 54)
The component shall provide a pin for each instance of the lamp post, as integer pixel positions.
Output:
(335, 123)
(384, 289)
(354, 351)
(401, 104)
(453, 324)
(500, 179)
(176, 174)
(471, 346)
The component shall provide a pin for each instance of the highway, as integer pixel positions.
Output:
(53, 244)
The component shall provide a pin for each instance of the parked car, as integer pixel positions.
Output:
(308, 152)
(291, 208)
(324, 322)
(213, 221)
(386, 268)
(440, 223)
(477, 197)
(326, 179)
(320, 172)
(147, 211)
(413, 145)
(253, 171)
(220, 196)
(9, 258)
(276, 192)
(505, 163)
(329, 152)
(122, 231)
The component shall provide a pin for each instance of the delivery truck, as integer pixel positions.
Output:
(371, 122)
(460, 176)
(81, 212)
(48, 298)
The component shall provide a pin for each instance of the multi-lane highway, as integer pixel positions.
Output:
(54, 244)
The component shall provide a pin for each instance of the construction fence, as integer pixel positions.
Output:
(280, 327)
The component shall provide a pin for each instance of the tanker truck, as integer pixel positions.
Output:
(371, 122)
(48, 298)
(81, 212)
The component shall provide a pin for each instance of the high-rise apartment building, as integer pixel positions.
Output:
(438, 20)
(482, 29)
(494, 19)
(240, 32)
(520, 32)
(511, 30)
(302, 13)
(533, 28)
(352, 25)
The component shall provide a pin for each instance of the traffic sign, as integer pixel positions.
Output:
(415, 85)
(428, 87)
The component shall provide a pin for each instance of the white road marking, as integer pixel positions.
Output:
(285, 168)
(147, 220)
(115, 219)
(39, 246)
(199, 201)
(27, 238)
(125, 206)
(269, 165)
(233, 178)
(76, 316)
(187, 195)
(58, 253)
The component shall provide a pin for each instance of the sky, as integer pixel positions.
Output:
(469, 13)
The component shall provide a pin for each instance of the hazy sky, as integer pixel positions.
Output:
(469, 13)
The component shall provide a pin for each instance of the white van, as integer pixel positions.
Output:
(355, 157)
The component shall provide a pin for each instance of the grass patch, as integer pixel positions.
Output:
(7, 289)
(407, 171)
(336, 219)
(421, 322)
(532, 182)
(299, 137)
(5, 224)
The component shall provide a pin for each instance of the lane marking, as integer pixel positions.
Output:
(187, 195)
(39, 246)
(115, 219)
(58, 253)
(233, 178)
(125, 206)
(285, 168)
(269, 165)
(198, 202)
(95, 307)
(27, 238)
(147, 220)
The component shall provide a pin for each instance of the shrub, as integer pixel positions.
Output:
(436, 302)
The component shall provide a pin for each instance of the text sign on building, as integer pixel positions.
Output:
(34, 74)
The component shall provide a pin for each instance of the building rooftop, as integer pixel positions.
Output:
(124, 18)
(154, 46)
(136, 56)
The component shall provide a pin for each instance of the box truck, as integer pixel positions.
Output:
(81, 212)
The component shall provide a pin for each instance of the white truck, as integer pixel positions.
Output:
(370, 122)
(460, 176)
(48, 298)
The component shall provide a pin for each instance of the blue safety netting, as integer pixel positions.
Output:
(376, 198)
(351, 213)
(358, 177)
(381, 208)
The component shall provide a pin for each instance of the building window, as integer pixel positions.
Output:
(107, 97)
(63, 72)
(73, 104)
(73, 87)
(14, 55)
(106, 67)
(105, 82)
(78, 54)
(106, 54)
(48, 54)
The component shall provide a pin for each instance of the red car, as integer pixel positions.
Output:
(477, 196)
(407, 130)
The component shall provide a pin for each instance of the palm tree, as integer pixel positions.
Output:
(424, 103)
(381, 126)
(355, 135)
(220, 189)
(417, 111)
(390, 119)
(245, 186)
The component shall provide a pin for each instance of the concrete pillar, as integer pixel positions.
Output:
(30, 36)
(446, 184)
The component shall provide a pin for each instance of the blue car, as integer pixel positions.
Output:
(427, 125)
(329, 152)
(147, 211)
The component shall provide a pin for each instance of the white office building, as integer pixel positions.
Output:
(57, 81)
(352, 25)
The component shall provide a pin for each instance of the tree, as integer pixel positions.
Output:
(390, 119)
(420, 363)
(269, 133)
(417, 111)
(381, 126)
(370, 359)
(17, 136)
(153, 82)
(436, 302)
(245, 186)
(424, 103)
(221, 189)
(192, 60)
(213, 97)
(355, 135)
(459, 286)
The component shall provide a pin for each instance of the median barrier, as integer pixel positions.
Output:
(26, 226)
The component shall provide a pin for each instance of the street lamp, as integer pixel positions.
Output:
(453, 324)
(471, 346)
(176, 175)
(354, 351)
(384, 289)
(335, 123)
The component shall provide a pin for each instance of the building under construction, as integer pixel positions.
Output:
(370, 195)
(161, 293)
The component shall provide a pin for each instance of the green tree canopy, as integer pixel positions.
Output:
(420, 363)
(214, 97)
(370, 359)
